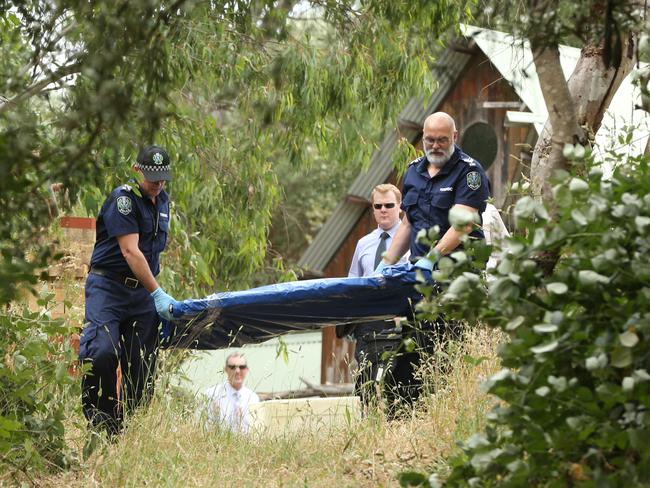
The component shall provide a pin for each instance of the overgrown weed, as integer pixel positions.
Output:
(168, 445)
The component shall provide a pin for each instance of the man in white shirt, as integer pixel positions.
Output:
(229, 402)
(495, 232)
(371, 336)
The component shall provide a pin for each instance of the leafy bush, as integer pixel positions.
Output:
(575, 390)
(35, 390)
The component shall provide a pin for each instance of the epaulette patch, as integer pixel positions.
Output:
(468, 159)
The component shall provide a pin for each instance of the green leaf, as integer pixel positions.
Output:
(621, 357)
(409, 344)
(7, 426)
(574, 422)
(557, 288)
(578, 217)
(576, 185)
(469, 359)
(413, 478)
(477, 440)
(642, 223)
(545, 328)
(628, 339)
(568, 151)
(628, 384)
(514, 323)
(589, 278)
(547, 347)
(541, 212)
(524, 208)
(459, 286)
(460, 217)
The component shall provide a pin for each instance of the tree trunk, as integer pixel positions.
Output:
(575, 108)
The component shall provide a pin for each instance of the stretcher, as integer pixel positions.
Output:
(232, 319)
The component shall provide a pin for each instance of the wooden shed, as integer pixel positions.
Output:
(487, 82)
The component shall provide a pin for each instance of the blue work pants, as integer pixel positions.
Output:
(121, 327)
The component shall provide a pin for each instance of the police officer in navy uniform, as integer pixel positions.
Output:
(443, 178)
(124, 302)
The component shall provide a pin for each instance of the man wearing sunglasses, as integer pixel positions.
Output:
(371, 337)
(229, 402)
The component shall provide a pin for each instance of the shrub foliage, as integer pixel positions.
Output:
(36, 390)
(574, 392)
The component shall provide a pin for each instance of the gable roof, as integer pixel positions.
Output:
(514, 61)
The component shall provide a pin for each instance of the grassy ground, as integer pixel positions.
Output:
(166, 445)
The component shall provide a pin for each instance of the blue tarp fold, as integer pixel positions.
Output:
(244, 317)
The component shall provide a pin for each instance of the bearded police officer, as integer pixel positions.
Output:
(123, 299)
(443, 178)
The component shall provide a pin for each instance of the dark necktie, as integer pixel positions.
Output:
(381, 248)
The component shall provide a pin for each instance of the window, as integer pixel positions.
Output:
(479, 140)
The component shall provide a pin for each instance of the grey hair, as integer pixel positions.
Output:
(235, 355)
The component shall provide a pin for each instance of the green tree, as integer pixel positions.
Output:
(232, 89)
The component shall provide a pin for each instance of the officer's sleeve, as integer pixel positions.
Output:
(120, 214)
(473, 188)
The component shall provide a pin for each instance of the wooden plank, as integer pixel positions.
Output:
(504, 104)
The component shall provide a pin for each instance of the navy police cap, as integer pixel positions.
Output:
(154, 163)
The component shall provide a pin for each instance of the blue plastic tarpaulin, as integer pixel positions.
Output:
(245, 317)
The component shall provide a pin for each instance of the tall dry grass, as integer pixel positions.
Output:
(166, 445)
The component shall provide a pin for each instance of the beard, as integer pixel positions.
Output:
(439, 160)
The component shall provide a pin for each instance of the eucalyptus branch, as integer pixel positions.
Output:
(40, 85)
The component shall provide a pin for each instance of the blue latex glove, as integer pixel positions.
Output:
(424, 263)
(163, 303)
(379, 267)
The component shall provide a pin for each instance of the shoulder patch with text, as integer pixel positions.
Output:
(474, 180)
(124, 205)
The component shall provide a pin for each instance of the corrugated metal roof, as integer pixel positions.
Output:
(378, 170)
(330, 237)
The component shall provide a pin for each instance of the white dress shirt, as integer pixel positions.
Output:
(495, 231)
(229, 407)
(363, 261)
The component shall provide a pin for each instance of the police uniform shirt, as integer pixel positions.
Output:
(363, 261)
(126, 212)
(427, 201)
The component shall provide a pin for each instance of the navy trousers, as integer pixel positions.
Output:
(404, 384)
(121, 328)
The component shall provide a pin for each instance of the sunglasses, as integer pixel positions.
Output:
(234, 366)
(378, 206)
